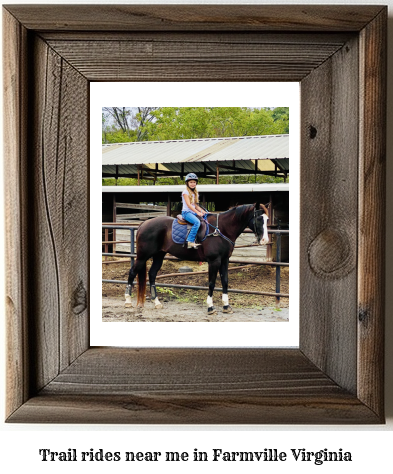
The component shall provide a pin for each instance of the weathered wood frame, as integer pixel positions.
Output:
(338, 53)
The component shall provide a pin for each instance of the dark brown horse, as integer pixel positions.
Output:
(154, 240)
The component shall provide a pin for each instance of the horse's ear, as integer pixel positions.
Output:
(265, 209)
(257, 205)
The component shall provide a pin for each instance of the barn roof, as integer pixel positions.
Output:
(234, 155)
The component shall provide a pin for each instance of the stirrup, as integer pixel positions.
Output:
(192, 245)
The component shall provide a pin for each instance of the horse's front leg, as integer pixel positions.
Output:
(224, 281)
(213, 269)
(127, 295)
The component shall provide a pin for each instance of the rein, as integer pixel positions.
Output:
(217, 231)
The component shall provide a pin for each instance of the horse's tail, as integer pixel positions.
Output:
(141, 286)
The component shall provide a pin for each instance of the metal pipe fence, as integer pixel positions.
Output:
(278, 264)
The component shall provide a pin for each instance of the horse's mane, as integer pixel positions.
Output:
(241, 211)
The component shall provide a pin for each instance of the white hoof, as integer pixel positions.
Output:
(157, 304)
(128, 303)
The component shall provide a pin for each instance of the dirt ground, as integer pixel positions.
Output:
(180, 305)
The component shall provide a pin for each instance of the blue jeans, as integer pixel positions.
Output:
(191, 217)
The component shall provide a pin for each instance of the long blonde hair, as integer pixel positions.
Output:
(194, 192)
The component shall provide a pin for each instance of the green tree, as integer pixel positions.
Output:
(180, 123)
(125, 124)
(281, 116)
(120, 116)
(144, 116)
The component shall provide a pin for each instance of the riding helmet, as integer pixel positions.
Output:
(191, 176)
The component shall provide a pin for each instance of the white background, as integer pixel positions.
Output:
(370, 445)
(216, 94)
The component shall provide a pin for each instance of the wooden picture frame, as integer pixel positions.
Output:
(338, 54)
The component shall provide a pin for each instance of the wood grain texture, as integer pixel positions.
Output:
(195, 17)
(52, 374)
(193, 386)
(194, 409)
(59, 232)
(14, 61)
(187, 59)
(329, 182)
(201, 37)
(371, 231)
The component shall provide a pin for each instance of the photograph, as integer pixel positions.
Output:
(195, 214)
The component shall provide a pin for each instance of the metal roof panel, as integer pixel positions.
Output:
(197, 150)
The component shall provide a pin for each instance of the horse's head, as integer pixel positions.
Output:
(258, 223)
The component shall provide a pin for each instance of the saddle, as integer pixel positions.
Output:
(181, 229)
(181, 221)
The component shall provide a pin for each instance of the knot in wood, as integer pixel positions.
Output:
(330, 254)
(80, 299)
(313, 132)
(363, 315)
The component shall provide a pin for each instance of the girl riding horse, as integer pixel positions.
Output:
(191, 210)
(154, 240)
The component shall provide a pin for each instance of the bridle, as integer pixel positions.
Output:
(255, 216)
(217, 231)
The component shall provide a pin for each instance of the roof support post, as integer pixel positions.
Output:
(114, 220)
(269, 247)
(168, 206)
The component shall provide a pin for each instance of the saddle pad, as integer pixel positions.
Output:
(180, 231)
